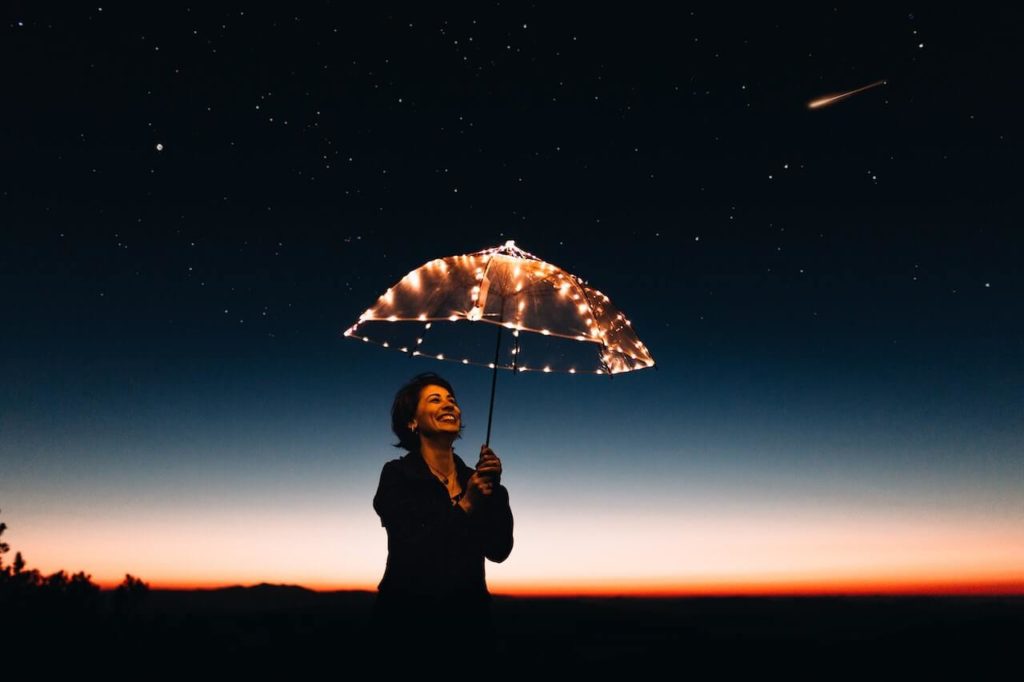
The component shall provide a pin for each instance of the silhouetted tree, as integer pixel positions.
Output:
(4, 549)
(130, 594)
(57, 593)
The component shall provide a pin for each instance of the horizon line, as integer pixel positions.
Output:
(937, 589)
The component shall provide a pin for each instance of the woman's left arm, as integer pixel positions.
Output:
(493, 519)
(495, 525)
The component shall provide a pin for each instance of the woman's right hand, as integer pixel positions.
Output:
(478, 489)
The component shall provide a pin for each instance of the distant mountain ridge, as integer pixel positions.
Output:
(263, 598)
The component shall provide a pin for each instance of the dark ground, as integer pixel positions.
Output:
(273, 628)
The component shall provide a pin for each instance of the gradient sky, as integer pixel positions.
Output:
(197, 202)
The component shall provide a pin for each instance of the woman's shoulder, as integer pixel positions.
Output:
(406, 463)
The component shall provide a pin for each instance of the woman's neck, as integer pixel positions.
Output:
(438, 455)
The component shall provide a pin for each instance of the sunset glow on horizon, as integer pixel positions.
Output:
(668, 550)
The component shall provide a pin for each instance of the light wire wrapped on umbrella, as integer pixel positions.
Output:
(513, 289)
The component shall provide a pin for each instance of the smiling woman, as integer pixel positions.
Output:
(442, 518)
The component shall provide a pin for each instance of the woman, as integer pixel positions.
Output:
(442, 517)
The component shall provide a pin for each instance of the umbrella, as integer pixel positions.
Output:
(507, 287)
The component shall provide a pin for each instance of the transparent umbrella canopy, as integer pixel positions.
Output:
(443, 309)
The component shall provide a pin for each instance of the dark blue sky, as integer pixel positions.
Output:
(197, 202)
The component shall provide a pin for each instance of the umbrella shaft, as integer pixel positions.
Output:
(494, 383)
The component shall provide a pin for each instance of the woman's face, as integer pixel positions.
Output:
(437, 412)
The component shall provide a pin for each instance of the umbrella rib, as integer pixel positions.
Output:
(604, 344)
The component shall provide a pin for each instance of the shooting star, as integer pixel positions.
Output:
(832, 99)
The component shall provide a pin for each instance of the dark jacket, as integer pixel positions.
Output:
(436, 550)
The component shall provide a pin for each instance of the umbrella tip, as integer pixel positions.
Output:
(510, 243)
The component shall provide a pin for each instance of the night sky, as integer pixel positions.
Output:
(197, 202)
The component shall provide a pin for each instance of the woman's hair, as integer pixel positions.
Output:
(404, 408)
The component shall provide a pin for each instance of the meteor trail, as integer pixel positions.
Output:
(831, 99)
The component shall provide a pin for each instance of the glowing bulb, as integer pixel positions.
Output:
(547, 369)
(452, 318)
(386, 345)
(491, 365)
(422, 317)
(545, 332)
(572, 370)
(475, 314)
(440, 356)
(392, 318)
(465, 361)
